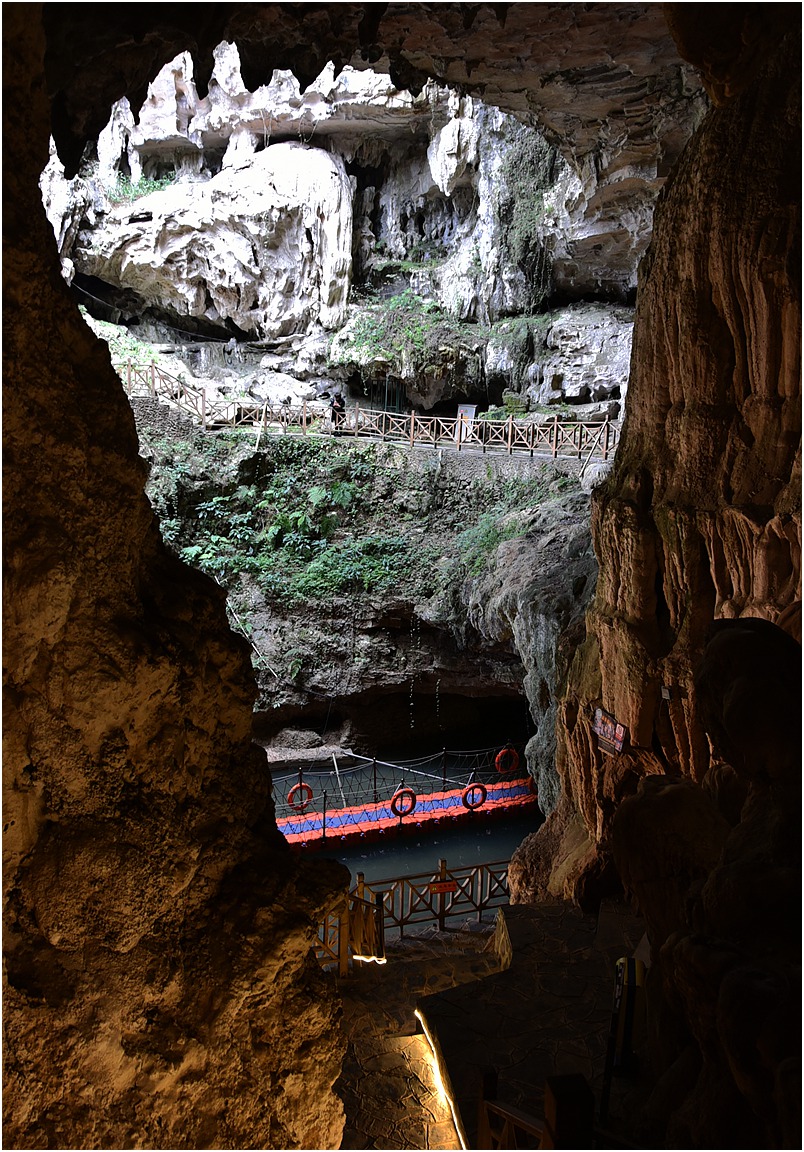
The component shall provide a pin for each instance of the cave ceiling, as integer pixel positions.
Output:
(598, 78)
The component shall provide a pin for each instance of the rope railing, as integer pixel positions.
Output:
(373, 799)
(357, 782)
(510, 436)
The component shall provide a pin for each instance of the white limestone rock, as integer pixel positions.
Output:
(266, 245)
(586, 357)
(67, 204)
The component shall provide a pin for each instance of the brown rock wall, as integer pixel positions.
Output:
(701, 517)
(160, 990)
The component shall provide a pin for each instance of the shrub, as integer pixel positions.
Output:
(124, 191)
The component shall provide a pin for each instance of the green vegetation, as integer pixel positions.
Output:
(478, 543)
(124, 191)
(526, 172)
(405, 331)
(305, 520)
(293, 538)
(122, 345)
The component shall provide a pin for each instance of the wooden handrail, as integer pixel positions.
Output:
(505, 1135)
(510, 436)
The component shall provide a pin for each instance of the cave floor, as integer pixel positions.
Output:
(388, 1085)
(531, 995)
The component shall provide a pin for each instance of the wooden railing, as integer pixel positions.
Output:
(432, 896)
(354, 930)
(568, 1120)
(554, 438)
(504, 1126)
(357, 926)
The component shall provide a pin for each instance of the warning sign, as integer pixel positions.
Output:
(443, 886)
(611, 734)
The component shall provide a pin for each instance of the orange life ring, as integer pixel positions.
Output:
(306, 791)
(396, 802)
(507, 759)
(468, 796)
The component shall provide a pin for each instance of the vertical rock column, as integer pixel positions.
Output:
(160, 987)
(701, 517)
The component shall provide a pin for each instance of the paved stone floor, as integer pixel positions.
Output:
(388, 1086)
(531, 997)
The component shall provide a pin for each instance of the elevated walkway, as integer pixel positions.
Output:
(574, 439)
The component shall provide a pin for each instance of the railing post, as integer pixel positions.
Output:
(444, 769)
(204, 409)
(412, 427)
(488, 1091)
(361, 883)
(324, 816)
(555, 436)
(128, 376)
(606, 441)
(153, 380)
(379, 925)
(510, 434)
(442, 875)
(304, 415)
(343, 939)
(357, 418)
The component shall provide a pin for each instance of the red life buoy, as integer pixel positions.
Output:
(307, 793)
(399, 808)
(507, 759)
(470, 798)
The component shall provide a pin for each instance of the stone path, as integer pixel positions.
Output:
(388, 1086)
(530, 997)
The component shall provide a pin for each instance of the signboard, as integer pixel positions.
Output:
(610, 733)
(443, 886)
(463, 425)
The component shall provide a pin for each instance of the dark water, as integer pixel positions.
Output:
(480, 840)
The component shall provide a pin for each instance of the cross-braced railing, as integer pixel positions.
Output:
(511, 436)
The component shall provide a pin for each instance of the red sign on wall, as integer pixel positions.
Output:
(610, 733)
(444, 886)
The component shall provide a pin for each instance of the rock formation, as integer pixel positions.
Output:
(452, 201)
(129, 779)
(266, 247)
(701, 520)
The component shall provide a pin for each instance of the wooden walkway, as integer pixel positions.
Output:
(511, 436)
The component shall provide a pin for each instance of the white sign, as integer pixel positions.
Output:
(463, 425)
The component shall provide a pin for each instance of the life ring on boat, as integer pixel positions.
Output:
(307, 793)
(474, 796)
(398, 807)
(507, 759)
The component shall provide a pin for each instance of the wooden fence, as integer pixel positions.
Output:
(553, 438)
(357, 927)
